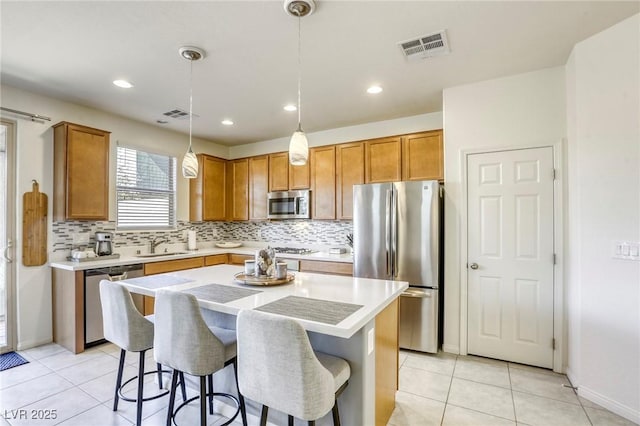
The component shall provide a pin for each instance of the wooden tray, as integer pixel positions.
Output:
(242, 278)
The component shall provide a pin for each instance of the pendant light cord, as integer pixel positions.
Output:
(299, 72)
(190, 101)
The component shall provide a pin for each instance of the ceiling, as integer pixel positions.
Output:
(74, 50)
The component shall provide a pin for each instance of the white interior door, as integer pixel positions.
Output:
(510, 255)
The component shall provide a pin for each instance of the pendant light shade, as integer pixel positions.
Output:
(298, 146)
(190, 161)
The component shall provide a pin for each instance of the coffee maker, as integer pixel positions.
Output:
(103, 243)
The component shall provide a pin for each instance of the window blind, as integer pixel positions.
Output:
(145, 190)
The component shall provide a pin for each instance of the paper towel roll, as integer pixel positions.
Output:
(191, 240)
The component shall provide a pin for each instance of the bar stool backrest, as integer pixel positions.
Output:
(183, 341)
(123, 324)
(278, 368)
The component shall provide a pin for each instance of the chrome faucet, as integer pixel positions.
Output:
(156, 242)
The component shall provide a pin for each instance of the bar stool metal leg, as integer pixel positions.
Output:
(159, 375)
(172, 394)
(210, 378)
(336, 414)
(263, 415)
(183, 387)
(116, 397)
(203, 401)
(243, 407)
(140, 389)
(290, 420)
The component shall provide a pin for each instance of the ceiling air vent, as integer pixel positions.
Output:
(426, 46)
(178, 114)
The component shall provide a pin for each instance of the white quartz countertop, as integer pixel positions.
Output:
(373, 295)
(245, 250)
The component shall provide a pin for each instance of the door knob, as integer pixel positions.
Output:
(473, 266)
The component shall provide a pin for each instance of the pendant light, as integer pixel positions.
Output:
(190, 162)
(298, 146)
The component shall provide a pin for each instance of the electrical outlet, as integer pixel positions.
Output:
(371, 338)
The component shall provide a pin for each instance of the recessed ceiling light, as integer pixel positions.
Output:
(374, 90)
(123, 83)
(290, 108)
(227, 122)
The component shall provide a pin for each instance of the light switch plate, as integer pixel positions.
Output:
(626, 250)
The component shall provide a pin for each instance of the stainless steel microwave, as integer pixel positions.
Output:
(289, 204)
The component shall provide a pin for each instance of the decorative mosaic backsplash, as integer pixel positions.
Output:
(69, 235)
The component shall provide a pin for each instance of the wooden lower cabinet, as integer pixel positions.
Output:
(68, 309)
(323, 267)
(386, 362)
(238, 259)
(215, 259)
(168, 266)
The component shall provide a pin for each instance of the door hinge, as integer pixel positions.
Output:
(555, 174)
(553, 344)
(554, 259)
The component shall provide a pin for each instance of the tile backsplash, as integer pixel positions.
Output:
(69, 235)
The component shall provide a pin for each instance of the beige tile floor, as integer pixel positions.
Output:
(438, 389)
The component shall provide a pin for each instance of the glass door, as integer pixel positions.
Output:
(7, 208)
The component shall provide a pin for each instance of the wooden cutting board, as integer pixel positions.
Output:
(34, 227)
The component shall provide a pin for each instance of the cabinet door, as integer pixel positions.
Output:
(81, 173)
(258, 187)
(207, 191)
(382, 160)
(299, 177)
(323, 182)
(349, 172)
(238, 189)
(422, 156)
(168, 266)
(279, 171)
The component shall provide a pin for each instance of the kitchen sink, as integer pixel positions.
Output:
(174, 253)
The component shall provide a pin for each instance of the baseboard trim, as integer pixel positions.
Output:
(452, 349)
(23, 346)
(611, 405)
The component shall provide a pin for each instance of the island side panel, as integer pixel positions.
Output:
(386, 362)
(68, 309)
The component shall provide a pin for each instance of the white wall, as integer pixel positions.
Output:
(603, 81)
(522, 110)
(416, 123)
(34, 160)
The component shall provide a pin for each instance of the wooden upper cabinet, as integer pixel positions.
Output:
(238, 189)
(279, 171)
(258, 186)
(207, 190)
(322, 163)
(283, 176)
(349, 172)
(80, 173)
(382, 160)
(422, 156)
(299, 176)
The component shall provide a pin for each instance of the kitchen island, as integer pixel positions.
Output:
(353, 318)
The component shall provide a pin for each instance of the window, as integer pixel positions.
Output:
(145, 190)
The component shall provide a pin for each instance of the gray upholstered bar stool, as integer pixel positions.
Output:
(184, 342)
(278, 368)
(125, 327)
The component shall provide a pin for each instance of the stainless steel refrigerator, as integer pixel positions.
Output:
(396, 235)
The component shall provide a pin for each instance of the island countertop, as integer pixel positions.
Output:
(373, 295)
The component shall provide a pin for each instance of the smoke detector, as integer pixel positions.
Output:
(426, 46)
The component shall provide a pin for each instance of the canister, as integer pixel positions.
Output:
(249, 267)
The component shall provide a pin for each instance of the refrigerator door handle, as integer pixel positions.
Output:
(388, 232)
(394, 231)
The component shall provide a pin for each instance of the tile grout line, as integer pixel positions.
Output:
(575, 391)
(446, 402)
(513, 400)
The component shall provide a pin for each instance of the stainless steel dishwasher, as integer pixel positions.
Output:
(93, 331)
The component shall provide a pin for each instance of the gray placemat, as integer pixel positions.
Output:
(220, 293)
(325, 311)
(155, 282)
